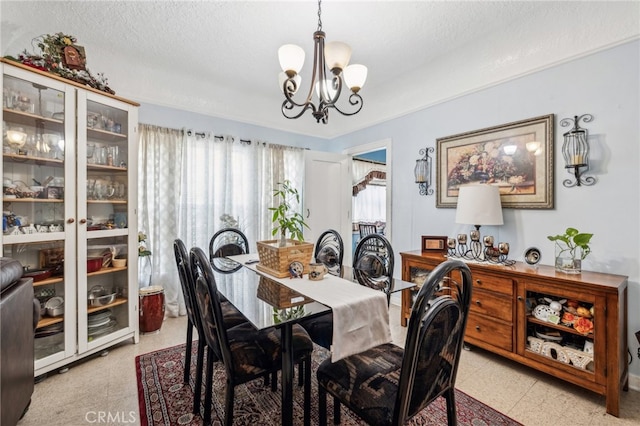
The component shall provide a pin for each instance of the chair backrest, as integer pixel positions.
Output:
(210, 310)
(329, 251)
(373, 263)
(227, 242)
(367, 229)
(186, 282)
(434, 339)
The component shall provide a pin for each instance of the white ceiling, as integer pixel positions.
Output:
(219, 58)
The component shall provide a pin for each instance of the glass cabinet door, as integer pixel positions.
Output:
(105, 269)
(38, 225)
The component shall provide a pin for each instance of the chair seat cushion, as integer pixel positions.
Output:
(258, 351)
(366, 382)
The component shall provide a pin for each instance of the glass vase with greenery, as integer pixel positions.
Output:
(572, 248)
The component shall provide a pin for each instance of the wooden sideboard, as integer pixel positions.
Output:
(501, 320)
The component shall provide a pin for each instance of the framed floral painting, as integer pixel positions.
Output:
(518, 157)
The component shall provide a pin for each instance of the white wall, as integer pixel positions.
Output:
(606, 85)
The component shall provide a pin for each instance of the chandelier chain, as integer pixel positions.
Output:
(319, 15)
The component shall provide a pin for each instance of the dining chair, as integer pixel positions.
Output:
(246, 353)
(366, 229)
(388, 385)
(373, 263)
(329, 250)
(227, 242)
(232, 317)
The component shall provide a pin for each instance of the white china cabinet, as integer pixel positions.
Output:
(69, 164)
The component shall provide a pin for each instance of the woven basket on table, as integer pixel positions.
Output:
(278, 295)
(275, 260)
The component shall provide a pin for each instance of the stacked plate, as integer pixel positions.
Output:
(101, 323)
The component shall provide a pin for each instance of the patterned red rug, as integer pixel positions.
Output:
(165, 400)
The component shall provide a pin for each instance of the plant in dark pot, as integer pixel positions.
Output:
(572, 248)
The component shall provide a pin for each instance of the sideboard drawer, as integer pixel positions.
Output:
(492, 283)
(492, 304)
(489, 331)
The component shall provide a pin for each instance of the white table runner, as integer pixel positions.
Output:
(360, 314)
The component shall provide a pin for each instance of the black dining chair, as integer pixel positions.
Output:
(373, 263)
(388, 385)
(227, 242)
(232, 317)
(329, 250)
(246, 353)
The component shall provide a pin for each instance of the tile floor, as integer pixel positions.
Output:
(106, 386)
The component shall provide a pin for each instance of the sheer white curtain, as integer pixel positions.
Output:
(211, 177)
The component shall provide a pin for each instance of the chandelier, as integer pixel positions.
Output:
(333, 56)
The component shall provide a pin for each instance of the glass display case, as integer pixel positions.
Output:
(69, 157)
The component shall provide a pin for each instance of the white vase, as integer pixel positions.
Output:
(569, 261)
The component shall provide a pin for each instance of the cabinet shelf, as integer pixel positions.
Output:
(48, 281)
(104, 167)
(49, 321)
(28, 119)
(106, 201)
(108, 270)
(118, 301)
(559, 327)
(31, 159)
(105, 135)
(32, 200)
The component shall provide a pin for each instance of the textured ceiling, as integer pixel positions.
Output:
(219, 58)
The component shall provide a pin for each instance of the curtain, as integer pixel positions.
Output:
(369, 191)
(214, 182)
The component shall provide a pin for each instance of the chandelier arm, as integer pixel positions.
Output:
(354, 99)
(289, 106)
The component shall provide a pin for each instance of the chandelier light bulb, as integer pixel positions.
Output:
(510, 149)
(291, 58)
(355, 76)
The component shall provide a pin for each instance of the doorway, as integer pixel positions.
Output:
(371, 199)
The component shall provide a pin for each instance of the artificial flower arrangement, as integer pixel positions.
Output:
(142, 245)
(59, 55)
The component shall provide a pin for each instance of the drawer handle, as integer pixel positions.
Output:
(477, 327)
(478, 302)
(479, 282)
(520, 298)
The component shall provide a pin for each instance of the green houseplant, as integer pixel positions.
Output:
(572, 248)
(276, 256)
(284, 218)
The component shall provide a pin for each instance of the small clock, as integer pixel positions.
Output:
(296, 269)
(532, 255)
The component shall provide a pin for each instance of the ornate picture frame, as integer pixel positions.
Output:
(518, 157)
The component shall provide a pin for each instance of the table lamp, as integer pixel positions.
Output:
(479, 205)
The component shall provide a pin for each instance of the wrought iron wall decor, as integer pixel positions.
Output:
(422, 172)
(478, 251)
(575, 151)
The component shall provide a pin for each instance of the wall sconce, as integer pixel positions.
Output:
(422, 171)
(575, 151)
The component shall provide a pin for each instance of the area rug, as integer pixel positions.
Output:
(165, 400)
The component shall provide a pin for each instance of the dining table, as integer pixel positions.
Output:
(360, 314)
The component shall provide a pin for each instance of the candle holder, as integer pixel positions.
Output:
(477, 251)
(575, 151)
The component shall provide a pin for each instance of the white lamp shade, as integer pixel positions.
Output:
(354, 76)
(337, 55)
(291, 57)
(282, 77)
(479, 205)
(510, 149)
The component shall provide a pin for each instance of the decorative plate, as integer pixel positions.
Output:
(542, 312)
(532, 255)
(296, 269)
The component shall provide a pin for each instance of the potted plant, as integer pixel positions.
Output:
(276, 256)
(572, 248)
(284, 219)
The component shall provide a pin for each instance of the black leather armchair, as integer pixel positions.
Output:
(20, 315)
